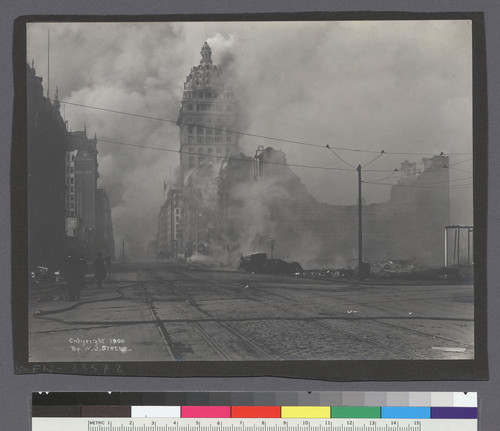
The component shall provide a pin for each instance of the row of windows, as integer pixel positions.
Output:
(209, 107)
(209, 151)
(70, 169)
(209, 140)
(200, 120)
(206, 94)
(200, 131)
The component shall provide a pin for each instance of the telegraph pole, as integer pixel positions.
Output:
(360, 226)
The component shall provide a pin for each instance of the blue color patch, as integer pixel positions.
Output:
(405, 412)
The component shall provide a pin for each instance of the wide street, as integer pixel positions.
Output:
(160, 311)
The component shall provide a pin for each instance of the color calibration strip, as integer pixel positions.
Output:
(310, 412)
(347, 405)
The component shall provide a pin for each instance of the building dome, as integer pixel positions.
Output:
(206, 74)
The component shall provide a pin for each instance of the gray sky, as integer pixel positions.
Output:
(400, 86)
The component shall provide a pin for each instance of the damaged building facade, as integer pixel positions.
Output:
(229, 204)
(207, 117)
(263, 202)
(67, 212)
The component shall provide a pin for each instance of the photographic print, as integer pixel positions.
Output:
(254, 195)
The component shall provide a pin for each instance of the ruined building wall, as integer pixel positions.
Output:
(277, 205)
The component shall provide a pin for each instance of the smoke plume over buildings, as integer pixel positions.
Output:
(399, 86)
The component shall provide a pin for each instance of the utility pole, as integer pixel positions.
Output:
(271, 240)
(360, 227)
(48, 64)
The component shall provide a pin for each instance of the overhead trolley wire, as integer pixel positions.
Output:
(165, 120)
(219, 156)
(370, 162)
(340, 158)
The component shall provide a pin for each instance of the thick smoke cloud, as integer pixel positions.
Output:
(394, 86)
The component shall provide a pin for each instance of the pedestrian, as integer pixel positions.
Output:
(108, 264)
(74, 273)
(99, 270)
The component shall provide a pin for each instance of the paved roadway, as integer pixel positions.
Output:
(170, 312)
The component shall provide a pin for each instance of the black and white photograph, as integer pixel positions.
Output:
(247, 191)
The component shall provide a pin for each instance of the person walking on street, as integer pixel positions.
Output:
(74, 272)
(100, 270)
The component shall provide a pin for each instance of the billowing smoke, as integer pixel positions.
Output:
(396, 86)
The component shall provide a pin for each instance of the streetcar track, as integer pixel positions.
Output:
(430, 336)
(350, 333)
(260, 293)
(364, 338)
(212, 318)
(167, 341)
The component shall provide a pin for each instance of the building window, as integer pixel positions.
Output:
(72, 180)
(210, 137)
(190, 129)
(229, 138)
(192, 162)
(200, 139)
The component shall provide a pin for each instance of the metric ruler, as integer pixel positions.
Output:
(250, 424)
(258, 411)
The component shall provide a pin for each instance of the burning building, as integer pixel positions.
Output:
(229, 204)
(207, 117)
(263, 204)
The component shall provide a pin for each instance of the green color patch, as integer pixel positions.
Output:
(356, 412)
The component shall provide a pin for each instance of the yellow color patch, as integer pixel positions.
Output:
(305, 412)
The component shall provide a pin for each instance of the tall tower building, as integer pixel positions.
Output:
(81, 186)
(207, 116)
